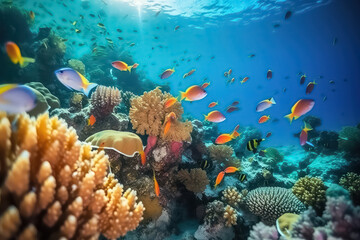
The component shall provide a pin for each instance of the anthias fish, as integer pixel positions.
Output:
(310, 87)
(122, 66)
(13, 51)
(300, 108)
(171, 101)
(226, 137)
(193, 93)
(215, 116)
(213, 104)
(304, 133)
(169, 120)
(264, 119)
(219, 178)
(167, 73)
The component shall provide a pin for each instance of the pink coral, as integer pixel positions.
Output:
(176, 148)
(151, 142)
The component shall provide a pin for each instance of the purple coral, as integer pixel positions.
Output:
(260, 232)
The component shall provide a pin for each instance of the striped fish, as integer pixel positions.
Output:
(253, 144)
(242, 177)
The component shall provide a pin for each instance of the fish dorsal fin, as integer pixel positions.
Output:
(7, 87)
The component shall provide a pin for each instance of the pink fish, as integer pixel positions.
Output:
(265, 104)
(230, 109)
(215, 116)
(304, 134)
(310, 87)
(300, 108)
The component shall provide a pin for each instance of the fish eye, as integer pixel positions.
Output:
(61, 71)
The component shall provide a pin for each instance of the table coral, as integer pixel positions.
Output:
(270, 203)
(52, 186)
(230, 216)
(147, 114)
(311, 191)
(351, 182)
(103, 100)
(232, 196)
(195, 180)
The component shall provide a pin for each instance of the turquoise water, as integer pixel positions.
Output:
(320, 39)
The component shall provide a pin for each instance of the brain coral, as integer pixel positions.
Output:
(104, 99)
(270, 203)
(195, 180)
(52, 186)
(311, 191)
(147, 114)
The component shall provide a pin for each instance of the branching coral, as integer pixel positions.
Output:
(230, 216)
(351, 182)
(104, 99)
(53, 187)
(273, 156)
(269, 203)
(349, 140)
(340, 220)
(311, 191)
(147, 114)
(232, 196)
(195, 180)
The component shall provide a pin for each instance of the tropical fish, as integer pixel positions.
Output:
(310, 87)
(302, 79)
(122, 66)
(205, 164)
(135, 65)
(169, 119)
(132, 44)
(215, 116)
(231, 108)
(269, 74)
(176, 28)
(101, 25)
(16, 98)
(244, 80)
(189, 73)
(231, 80)
(265, 104)
(331, 81)
(32, 15)
(193, 93)
(253, 144)
(167, 73)
(205, 85)
(156, 185)
(74, 23)
(251, 55)
(13, 51)
(288, 15)
(77, 30)
(170, 102)
(74, 80)
(143, 157)
(242, 177)
(268, 134)
(300, 108)
(228, 73)
(276, 25)
(213, 104)
(264, 119)
(304, 134)
(235, 103)
(219, 178)
(226, 137)
(231, 169)
(91, 120)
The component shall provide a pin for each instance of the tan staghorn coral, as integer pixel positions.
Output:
(104, 99)
(147, 114)
(230, 216)
(53, 187)
(195, 180)
(311, 191)
(232, 196)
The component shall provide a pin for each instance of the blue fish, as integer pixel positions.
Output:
(16, 98)
(74, 80)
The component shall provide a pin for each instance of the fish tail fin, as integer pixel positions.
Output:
(242, 82)
(206, 117)
(272, 100)
(143, 157)
(87, 88)
(290, 117)
(307, 127)
(129, 68)
(24, 61)
(296, 117)
(182, 95)
(235, 134)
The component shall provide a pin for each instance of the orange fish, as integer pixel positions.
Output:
(167, 73)
(244, 79)
(122, 66)
(135, 65)
(300, 108)
(189, 73)
(205, 85)
(13, 51)
(32, 15)
(156, 186)
(226, 137)
(91, 120)
(193, 93)
(219, 178)
(213, 104)
(231, 169)
(264, 119)
(170, 102)
(170, 118)
(215, 116)
(143, 157)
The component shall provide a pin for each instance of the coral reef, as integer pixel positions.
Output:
(77, 65)
(104, 100)
(223, 154)
(126, 101)
(351, 181)
(269, 203)
(153, 209)
(195, 180)
(310, 191)
(45, 100)
(340, 220)
(261, 231)
(147, 115)
(53, 187)
(214, 212)
(349, 140)
(230, 216)
(232, 197)
(273, 156)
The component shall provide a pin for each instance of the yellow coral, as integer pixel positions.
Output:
(152, 206)
(311, 191)
(147, 115)
(50, 183)
(230, 216)
(195, 180)
(285, 224)
(232, 196)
